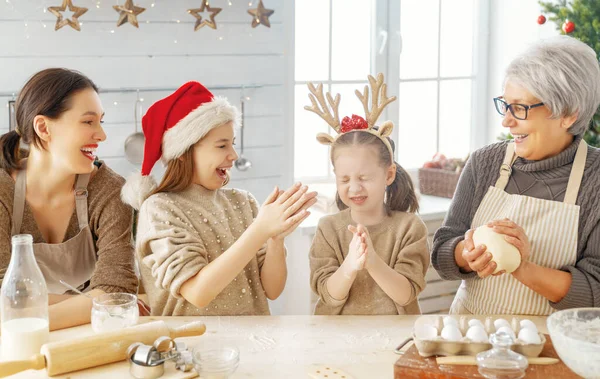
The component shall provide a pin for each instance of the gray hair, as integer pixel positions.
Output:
(563, 72)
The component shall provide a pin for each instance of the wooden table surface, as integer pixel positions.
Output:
(284, 346)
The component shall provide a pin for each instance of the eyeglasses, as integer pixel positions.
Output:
(519, 111)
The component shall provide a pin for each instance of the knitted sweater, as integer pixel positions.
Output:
(181, 232)
(544, 179)
(110, 221)
(400, 240)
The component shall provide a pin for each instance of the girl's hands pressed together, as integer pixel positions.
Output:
(357, 253)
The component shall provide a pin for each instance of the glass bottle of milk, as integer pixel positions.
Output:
(23, 303)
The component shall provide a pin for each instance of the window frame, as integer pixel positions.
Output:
(386, 47)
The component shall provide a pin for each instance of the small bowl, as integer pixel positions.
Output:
(114, 311)
(215, 362)
(576, 339)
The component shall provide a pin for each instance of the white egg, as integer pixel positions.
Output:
(500, 323)
(528, 335)
(426, 332)
(476, 322)
(508, 330)
(451, 333)
(476, 333)
(528, 324)
(450, 321)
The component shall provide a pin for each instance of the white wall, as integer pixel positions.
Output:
(513, 25)
(233, 55)
(161, 53)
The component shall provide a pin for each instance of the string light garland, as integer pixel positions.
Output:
(129, 12)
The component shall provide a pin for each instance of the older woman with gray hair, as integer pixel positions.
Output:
(540, 192)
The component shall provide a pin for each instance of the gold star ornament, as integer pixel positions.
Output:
(202, 22)
(260, 15)
(128, 12)
(73, 21)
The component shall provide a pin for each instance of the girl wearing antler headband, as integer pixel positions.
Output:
(371, 257)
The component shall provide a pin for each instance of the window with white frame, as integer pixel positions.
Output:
(436, 79)
(432, 69)
(333, 44)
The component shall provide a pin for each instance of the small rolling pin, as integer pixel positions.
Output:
(469, 360)
(65, 356)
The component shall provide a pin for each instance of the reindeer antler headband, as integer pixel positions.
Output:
(379, 101)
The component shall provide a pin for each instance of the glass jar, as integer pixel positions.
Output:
(23, 303)
(501, 362)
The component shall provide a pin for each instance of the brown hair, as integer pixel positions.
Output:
(179, 174)
(400, 195)
(47, 93)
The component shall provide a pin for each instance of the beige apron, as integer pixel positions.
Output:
(74, 260)
(551, 227)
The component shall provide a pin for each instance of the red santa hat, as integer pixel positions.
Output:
(171, 126)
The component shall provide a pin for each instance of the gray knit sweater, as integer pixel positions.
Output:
(544, 179)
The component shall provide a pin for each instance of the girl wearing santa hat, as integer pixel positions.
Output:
(205, 249)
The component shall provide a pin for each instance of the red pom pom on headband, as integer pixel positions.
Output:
(354, 123)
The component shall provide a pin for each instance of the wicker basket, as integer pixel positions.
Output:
(438, 182)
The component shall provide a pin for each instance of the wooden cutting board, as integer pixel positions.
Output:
(412, 365)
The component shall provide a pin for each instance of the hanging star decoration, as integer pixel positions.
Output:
(200, 22)
(73, 21)
(128, 12)
(260, 15)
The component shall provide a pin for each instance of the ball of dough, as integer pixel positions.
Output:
(506, 256)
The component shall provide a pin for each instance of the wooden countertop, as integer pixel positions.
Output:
(285, 346)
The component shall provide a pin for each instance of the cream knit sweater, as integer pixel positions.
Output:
(180, 233)
(400, 240)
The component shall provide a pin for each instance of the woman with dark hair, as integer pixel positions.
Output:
(60, 194)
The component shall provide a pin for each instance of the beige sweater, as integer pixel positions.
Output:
(110, 221)
(181, 232)
(400, 240)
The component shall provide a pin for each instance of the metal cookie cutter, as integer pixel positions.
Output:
(147, 362)
(185, 361)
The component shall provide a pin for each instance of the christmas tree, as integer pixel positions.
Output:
(585, 15)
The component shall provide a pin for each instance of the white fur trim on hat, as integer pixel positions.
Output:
(136, 189)
(189, 130)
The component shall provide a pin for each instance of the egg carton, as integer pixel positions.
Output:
(465, 346)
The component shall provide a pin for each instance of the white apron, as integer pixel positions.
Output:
(551, 227)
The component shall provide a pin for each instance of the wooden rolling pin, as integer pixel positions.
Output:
(71, 355)
(469, 360)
